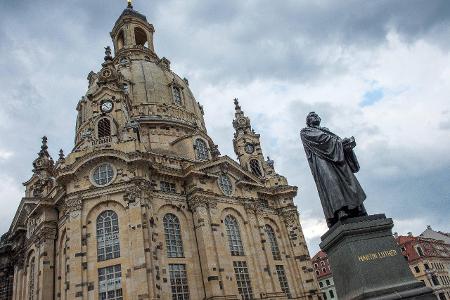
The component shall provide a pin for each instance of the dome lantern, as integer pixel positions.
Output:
(132, 31)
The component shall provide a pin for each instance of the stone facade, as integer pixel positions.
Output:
(145, 207)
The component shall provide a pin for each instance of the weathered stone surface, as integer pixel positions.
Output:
(141, 153)
(367, 263)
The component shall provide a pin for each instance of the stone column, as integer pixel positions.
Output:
(199, 207)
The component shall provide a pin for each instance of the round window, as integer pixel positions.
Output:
(103, 174)
(225, 184)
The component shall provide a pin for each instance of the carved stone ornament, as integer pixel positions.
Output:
(39, 186)
(201, 201)
(224, 168)
(46, 233)
(73, 206)
(215, 151)
(254, 207)
(289, 215)
(19, 260)
(134, 193)
(86, 133)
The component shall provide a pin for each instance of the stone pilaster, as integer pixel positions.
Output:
(290, 217)
(262, 282)
(75, 254)
(47, 237)
(137, 282)
(199, 207)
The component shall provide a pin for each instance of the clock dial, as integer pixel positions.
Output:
(106, 106)
(249, 148)
(106, 73)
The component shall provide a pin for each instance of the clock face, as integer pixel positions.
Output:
(249, 148)
(107, 106)
(106, 73)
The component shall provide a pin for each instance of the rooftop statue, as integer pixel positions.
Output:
(333, 162)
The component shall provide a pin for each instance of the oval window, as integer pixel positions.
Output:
(225, 184)
(103, 174)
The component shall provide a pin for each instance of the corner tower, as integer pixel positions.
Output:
(247, 147)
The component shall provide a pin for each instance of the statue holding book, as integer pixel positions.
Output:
(333, 164)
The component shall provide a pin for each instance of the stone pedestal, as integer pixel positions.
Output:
(367, 263)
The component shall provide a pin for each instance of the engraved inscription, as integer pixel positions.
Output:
(377, 255)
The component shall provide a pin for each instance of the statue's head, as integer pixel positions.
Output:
(313, 119)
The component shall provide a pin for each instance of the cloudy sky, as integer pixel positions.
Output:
(377, 70)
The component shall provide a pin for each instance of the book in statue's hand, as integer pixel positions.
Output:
(349, 143)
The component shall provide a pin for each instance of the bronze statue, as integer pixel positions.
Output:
(333, 162)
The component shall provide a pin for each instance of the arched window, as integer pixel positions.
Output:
(174, 243)
(177, 95)
(120, 40)
(255, 168)
(273, 242)
(31, 290)
(140, 36)
(234, 236)
(108, 244)
(201, 150)
(103, 128)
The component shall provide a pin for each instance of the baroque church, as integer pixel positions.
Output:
(145, 206)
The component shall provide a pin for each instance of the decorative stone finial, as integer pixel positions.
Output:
(240, 122)
(44, 146)
(270, 162)
(61, 154)
(108, 53)
(130, 6)
(44, 160)
(236, 104)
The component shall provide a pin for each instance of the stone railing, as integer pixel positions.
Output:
(171, 112)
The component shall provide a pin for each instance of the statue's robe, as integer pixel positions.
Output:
(332, 168)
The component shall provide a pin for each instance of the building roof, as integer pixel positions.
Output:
(321, 265)
(129, 11)
(436, 235)
(319, 255)
(418, 247)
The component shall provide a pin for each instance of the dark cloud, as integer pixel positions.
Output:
(47, 48)
(269, 40)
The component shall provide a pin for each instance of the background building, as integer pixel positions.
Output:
(145, 207)
(428, 256)
(324, 275)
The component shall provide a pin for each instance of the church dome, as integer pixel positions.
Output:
(135, 96)
(155, 92)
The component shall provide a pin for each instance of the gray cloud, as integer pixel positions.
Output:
(47, 49)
